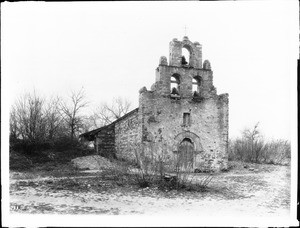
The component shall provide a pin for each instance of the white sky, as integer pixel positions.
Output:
(112, 49)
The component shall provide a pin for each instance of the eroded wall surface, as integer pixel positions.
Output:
(105, 142)
(163, 125)
(127, 136)
(162, 113)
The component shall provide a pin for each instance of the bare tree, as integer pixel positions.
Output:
(71, 111)
(53, 118)
(252, 137)
(276, 151)
(252, 147)
(89, 123)
(27, 118)
(14, 125)
(106, 113)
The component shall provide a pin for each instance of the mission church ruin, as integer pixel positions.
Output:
(181, 115)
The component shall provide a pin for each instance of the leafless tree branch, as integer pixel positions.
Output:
(106, 113)
(71, 111)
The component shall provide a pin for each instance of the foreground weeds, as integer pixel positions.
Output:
(118, 192)
(50, 169)
(123, 175)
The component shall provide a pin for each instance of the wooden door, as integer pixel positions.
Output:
(186, 154)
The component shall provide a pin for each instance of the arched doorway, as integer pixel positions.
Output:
(186, 154)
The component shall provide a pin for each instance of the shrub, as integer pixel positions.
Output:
(276, 152)
(119, 172)
(259, 151)
(19, 162)
(157, 169)
(122, 174)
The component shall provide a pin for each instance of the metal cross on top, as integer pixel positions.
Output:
(185, 30)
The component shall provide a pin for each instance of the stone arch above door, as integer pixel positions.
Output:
(189, 135)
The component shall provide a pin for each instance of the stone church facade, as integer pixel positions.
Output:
(180, 118)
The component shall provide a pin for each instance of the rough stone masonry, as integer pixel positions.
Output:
(181, 119)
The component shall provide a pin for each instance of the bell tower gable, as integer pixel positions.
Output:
(176, 57)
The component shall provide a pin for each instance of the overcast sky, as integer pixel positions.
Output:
(112, 49)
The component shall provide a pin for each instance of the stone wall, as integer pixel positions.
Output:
(118, 139)
(161, 115)
(194, 49)
(186, 75)
(163, 126)
(105, 142)
(127, 136)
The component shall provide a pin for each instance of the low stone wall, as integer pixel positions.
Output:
(105, 142)
(127, 136)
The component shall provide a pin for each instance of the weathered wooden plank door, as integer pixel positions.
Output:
(186, 154)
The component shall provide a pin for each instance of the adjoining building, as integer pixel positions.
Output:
(180, 118)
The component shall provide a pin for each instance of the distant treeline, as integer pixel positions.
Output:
(252, 147)
(38, 123)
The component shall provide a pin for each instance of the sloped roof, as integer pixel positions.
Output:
(91, 134)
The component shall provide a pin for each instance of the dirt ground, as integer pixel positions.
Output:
(262, 192)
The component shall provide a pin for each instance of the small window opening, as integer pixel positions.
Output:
(196, 83)
(174, 85)
(186, 119)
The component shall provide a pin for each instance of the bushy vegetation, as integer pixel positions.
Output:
(41, 129)
(252, 147)
(38, 124)
(154, 168)
(122, 175)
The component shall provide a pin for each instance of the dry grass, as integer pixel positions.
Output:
(109, 193)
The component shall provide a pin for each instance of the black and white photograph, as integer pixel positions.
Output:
(149, 113)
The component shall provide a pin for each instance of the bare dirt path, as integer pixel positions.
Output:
(264, 193)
